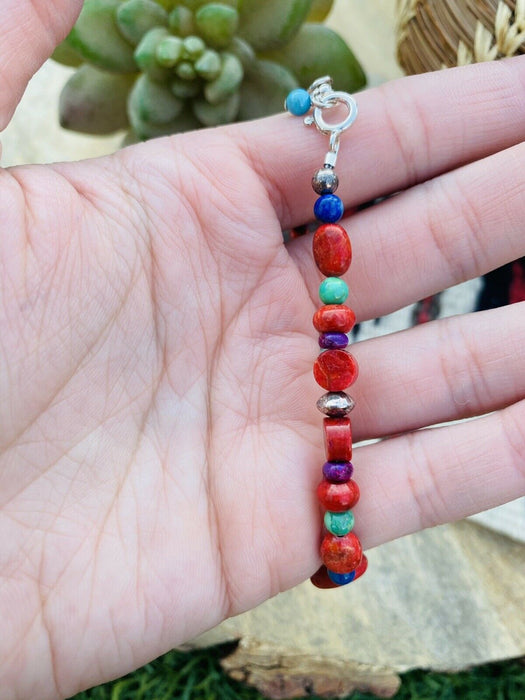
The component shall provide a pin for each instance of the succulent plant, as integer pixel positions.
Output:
(157, 67)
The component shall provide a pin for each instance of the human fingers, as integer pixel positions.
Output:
(407, 131)
(441, 371)
(440, 475)
(30, 32)
(455, 227)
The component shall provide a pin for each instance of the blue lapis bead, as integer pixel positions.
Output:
(328, 208)
(298, 102)
(341, 579)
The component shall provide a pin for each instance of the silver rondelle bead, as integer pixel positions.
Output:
(335, 404)
(325, 181)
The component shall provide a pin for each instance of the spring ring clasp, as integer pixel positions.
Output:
(324, 97)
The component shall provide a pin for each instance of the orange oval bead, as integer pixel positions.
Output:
(338, 497)
(335, 370)
(341, 554)
(334, 317)
(337, 439)
(332, 250)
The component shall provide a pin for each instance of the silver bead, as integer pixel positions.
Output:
(335, 404)
(325, 181)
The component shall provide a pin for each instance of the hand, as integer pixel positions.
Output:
(159, 444)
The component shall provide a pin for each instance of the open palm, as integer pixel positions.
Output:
(159, 447)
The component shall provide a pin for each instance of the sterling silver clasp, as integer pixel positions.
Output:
(324, 97)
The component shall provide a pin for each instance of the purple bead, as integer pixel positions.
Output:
(333, 341)
(338, 472)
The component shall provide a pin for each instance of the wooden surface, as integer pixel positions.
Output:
(446, 598)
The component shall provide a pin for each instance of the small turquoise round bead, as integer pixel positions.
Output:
(298, 102)
(339, 523)
(328, 208)
(333, 290)
(341, 579)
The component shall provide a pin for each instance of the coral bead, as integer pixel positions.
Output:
(322, 580)
(332, 250)
(337, 439)
(335, 370)
(338, 497)
(334, 318)
(341, 554)
(363, 566)
(329, 208)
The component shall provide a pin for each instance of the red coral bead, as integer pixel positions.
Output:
(341, 554)
(338, 497)
(334, 317)
(321, 579)
(337, 439)
(332, 250)
(363, 566)
(335, 370)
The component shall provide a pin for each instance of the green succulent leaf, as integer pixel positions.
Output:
(181, 21)
(208, 66)
(94, 101)
(222, 113)
(136, 17)
(185, 89)
(146, 54)
(186, 121)
(153, 103)
(228, 80)
(96, 37)
(317, 50)
(270, 24)
(320, 10)
(66, 55)
(168, 51)
(243, 51)
(264, 90)
(217, 24)
(196, 4)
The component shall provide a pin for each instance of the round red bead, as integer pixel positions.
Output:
(338, 497)
(335, 370)
(332, 250)
(337, 439)
(334, 317)
(341, 554)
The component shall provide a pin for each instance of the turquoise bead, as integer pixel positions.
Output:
(333, 290)
(341, 579)
(298, 102)
(339, 523)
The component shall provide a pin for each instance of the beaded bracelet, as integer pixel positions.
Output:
(335, 369)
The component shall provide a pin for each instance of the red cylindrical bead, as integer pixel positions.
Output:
(341, 554)
(337, 439)
(338, 497)
(335, 370)
(337, 318)
(332, 250)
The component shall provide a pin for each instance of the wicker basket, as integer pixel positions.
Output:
(435, 34)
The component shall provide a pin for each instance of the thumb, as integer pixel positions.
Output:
(29, 31)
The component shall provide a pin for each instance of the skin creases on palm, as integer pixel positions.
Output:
(155, 358)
